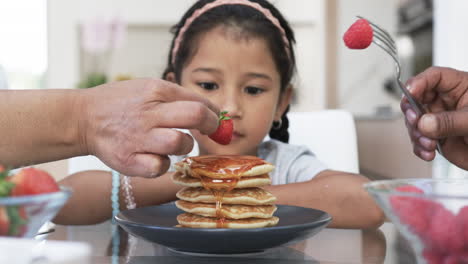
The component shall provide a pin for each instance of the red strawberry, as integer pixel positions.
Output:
(359, 35)
(223, 134)
(5, 185)
(18, 220)
(4, 222)
(23, 228)
(32, 181)
(3, 172)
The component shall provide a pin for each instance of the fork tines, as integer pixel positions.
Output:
(383, 39)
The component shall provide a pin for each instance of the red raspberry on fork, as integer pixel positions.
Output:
(359, 35)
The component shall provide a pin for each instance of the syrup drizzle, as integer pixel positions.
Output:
(233, 166)
(218, 187)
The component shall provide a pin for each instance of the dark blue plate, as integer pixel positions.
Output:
(157, 224)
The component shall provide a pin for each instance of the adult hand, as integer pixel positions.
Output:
(129, 125)
(444, 93)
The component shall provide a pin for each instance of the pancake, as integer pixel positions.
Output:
(223, 166)
(229, 211)
(244, 182)
(196, 221)
(245, 196)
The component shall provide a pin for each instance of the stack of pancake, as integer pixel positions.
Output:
(224, 192)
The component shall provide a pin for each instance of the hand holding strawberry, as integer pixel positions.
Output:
(359, 35)
(223, 134)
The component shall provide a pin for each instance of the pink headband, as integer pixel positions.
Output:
(216, 3)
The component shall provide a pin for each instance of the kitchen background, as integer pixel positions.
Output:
(72, 44)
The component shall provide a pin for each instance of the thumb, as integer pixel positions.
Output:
(444, 124)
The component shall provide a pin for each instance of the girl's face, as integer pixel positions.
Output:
(239, 75)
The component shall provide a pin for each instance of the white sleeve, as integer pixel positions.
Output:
(304, 167)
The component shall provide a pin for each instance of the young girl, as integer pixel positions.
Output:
(239, 54)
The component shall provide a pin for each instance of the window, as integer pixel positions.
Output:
(23, 43)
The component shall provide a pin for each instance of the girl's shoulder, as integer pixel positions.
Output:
(277, 148)
(293, 163)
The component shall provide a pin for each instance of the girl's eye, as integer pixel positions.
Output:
(253, 90)
(209, 86)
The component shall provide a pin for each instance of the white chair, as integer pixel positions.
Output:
(83, 163)
(329, 134)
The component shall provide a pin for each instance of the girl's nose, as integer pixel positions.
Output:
(233, 104)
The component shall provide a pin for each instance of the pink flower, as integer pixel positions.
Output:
(119, 32)
(99, 35)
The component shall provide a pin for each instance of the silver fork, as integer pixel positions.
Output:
(385, 41)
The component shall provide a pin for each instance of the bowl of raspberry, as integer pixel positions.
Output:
(432, 214)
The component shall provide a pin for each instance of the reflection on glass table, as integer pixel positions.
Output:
(328, 246)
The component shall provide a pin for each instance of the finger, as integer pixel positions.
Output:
(166, 141)
(436, 79)
(411, 116)
(147, 165)
(404, 104)
(444, 124)
(423, 154)
(418, 139)
(410, 133)
(415, 135)
(186, 114)
(429, 97)
(427, 143)
(171, 92)
(439, 105)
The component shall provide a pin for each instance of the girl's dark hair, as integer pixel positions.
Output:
(251, 22)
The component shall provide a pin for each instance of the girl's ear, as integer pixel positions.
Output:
(170, 76)
(284, 101)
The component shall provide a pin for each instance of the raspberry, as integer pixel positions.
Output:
(432, 256)
(413, 211)
(409, 188)
(444, 233)
(459, 258)
(359, 35)
(462, 220)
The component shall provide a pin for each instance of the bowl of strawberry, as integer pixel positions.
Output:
(430, 213)
(29, 198)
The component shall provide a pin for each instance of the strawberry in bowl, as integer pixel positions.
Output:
(28, 199)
